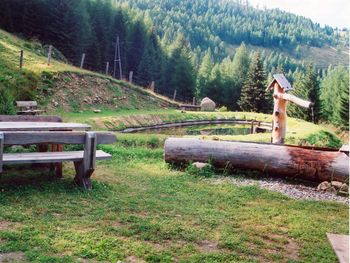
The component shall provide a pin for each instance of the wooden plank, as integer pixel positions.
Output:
(54, 137)
(340, 245)
(1, 149)
(28, 118)
(90, 153)
(50, 157)
(42, 126)
(26, 103)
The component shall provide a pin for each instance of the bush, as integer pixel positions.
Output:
(207, 171)
(223, 109)
(7, 102)
(324, 139)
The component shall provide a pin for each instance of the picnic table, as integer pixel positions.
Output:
(56, 134)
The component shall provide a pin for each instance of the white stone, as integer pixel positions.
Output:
(207, 105)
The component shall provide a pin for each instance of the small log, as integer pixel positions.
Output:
(287, 161)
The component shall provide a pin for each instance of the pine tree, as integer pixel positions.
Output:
(306, 86)
(335, 96)
(136, 40)
(203, 77)
(240, 68)
(254, 97)
(182, 78)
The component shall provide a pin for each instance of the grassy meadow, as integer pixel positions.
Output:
(142, 210)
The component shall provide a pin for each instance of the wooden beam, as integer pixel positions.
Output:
(27, 138)
(295, 100)
(28, 118)
(280, 160)
(50, 157)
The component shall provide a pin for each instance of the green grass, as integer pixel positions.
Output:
(141, 209)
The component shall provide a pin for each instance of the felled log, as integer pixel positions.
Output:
(287, 161)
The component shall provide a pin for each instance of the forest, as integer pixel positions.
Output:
(182, 46)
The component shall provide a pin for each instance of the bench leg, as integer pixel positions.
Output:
(57, 167)
(82, 178)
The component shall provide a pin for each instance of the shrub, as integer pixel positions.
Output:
(223, 109)
(7, 102)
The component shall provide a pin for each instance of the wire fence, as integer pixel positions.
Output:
(109, 69)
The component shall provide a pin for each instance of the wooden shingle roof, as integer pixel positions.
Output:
(282, 81)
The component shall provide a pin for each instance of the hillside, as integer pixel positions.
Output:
(60, 86)
(221, 25)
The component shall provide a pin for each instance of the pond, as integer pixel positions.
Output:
(212, 129)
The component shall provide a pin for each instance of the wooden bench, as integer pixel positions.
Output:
(84, 161)
(27, 108)
(189, 107)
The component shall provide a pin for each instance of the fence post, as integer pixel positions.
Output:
(174, 97)
(131, 74)
(152, 86)
(82, 61)
(49, 55)
(107, 68)
(194, 101)
(21, 59)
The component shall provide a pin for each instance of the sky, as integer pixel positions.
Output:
(335, 13)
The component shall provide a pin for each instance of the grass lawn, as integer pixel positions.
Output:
(141, 210)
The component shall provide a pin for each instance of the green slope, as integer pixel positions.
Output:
(61, 86)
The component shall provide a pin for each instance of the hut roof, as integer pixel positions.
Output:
(282, 81)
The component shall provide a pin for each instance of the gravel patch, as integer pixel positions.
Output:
(293, 190)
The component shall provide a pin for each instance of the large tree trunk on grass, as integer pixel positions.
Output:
(288, 161)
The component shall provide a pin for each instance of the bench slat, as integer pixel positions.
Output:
(29, 118)
(50, 157)
(26, 103)
(22, 138)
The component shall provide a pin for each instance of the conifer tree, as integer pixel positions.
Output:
(203, 77)
(306, 87)
(254, 97)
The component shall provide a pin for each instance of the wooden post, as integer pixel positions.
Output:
(131, 74)
(279, 116)
(152, 86)
(174, 97)
(49, 55)
(85, 168)
(281, 98)
(1, 150)
(82, 61)
(194, 101)
(21, 59)
(107, 68)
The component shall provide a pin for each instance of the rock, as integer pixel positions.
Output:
(200, 165)
(86, 100)
(331, 190)
(97, 111)
(55, 104)
(344, 188)
(323, 186)
(208, 105)
(337, 185)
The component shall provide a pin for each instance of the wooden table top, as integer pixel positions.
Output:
(43, 126)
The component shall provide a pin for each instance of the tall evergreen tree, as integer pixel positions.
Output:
(204, 72)
(307, 87)
(182, 78)
(335, 97)
(254, 96)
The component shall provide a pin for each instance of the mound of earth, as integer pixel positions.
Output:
(78, 92)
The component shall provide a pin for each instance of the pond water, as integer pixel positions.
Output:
(213, 129)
